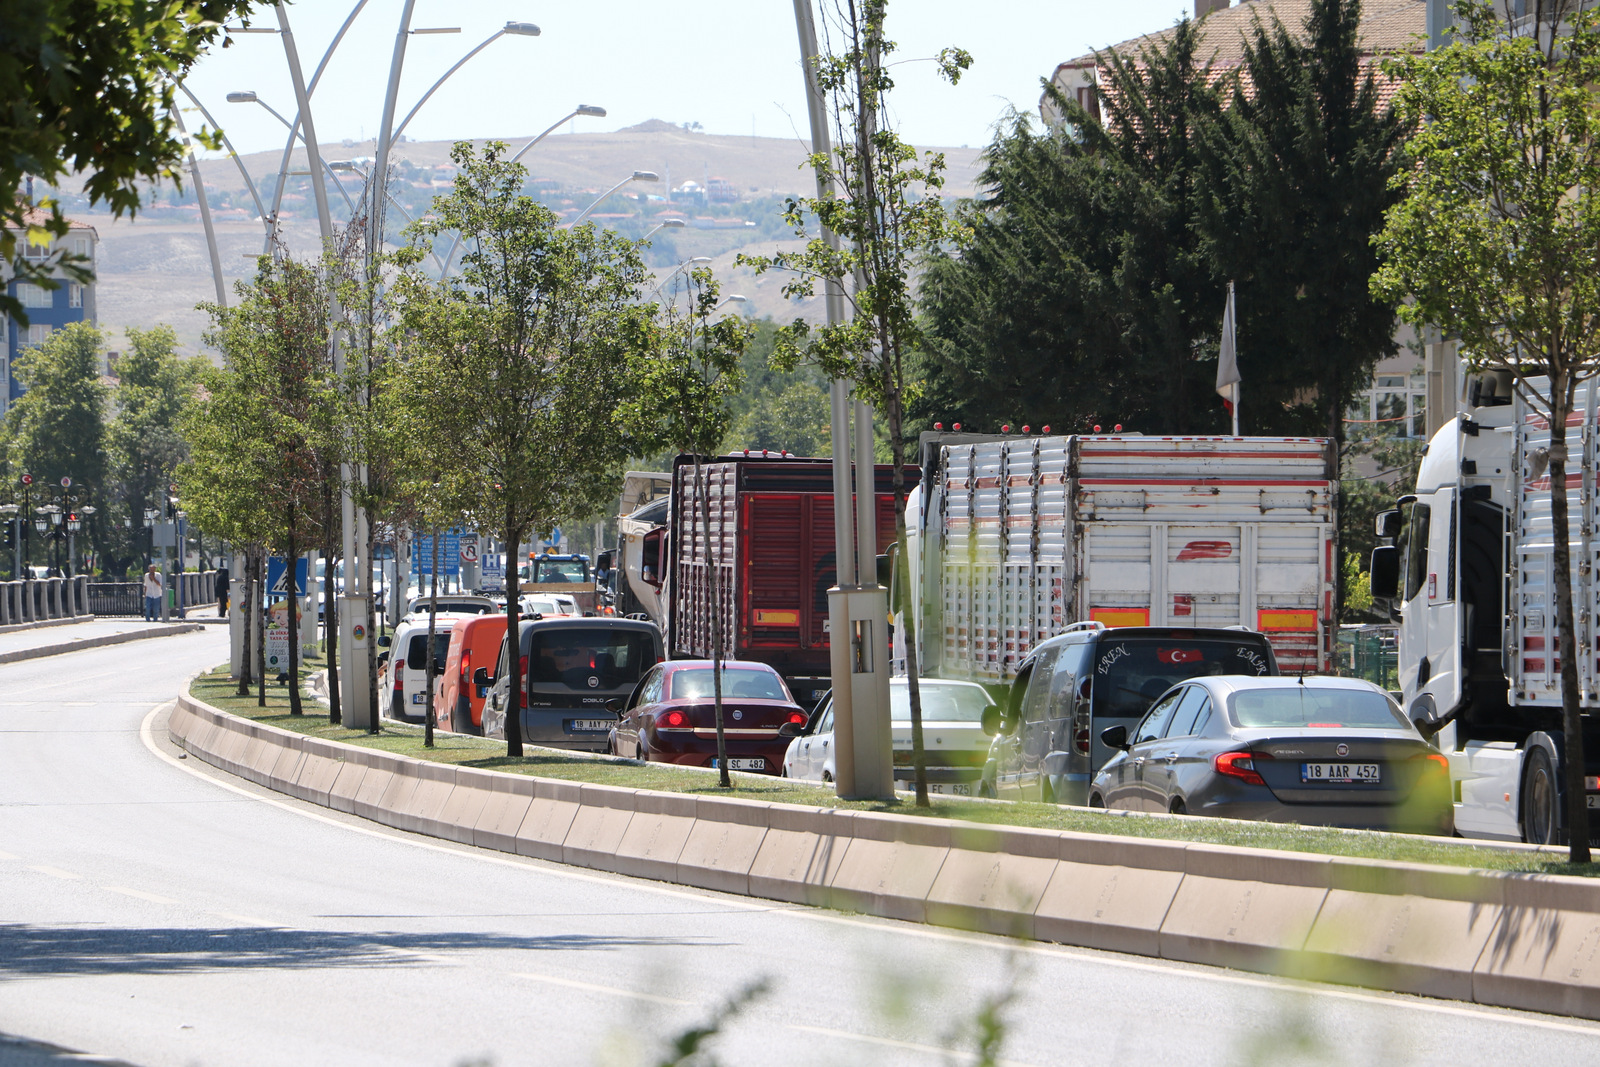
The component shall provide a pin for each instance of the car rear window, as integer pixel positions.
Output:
(940, 703)
(1130, 673)
(417, 650)
(694, 683)
(568, 658)
(1311, 706)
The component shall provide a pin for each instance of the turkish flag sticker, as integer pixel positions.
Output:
(1179, 655)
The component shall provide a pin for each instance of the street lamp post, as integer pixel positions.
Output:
(22, 525)
(636, 176)
(692, 261)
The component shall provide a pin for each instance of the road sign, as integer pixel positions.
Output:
(494, 574)
(469, 548)
(449, 554)
(277, 571)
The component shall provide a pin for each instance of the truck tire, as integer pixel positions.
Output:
(1539, 799)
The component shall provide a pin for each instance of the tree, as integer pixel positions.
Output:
(143, 442)
(527, 354)
(1497, 242)
(88, 86)
(890, 215)
(686, 389)
(57, 428)
(1297, 174)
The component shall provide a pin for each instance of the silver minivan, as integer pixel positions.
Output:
(571, 669)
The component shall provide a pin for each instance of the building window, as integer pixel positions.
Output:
(1395, 406)
(33, 251)
(34, 296)
(37, 335)
(80, 247)
(74, 296)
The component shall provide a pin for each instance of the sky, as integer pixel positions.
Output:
(731, 65)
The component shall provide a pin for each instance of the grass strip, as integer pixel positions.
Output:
(216, 689)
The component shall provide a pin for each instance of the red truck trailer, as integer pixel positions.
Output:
(771, 530)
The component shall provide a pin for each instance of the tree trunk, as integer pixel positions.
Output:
(906, 616)
(330, 618)
(704, 492)
(373, 725)
(513, 644)
(245, 602)
(261, 630)
(433, 616)
(1561, 391)
(291, 563)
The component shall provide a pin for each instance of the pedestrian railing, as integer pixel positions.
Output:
(41, 599)
(115, 598)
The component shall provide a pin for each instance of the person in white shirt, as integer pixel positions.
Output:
(153, 590)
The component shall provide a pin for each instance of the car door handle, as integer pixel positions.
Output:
(1172, 757)
(1138, 761)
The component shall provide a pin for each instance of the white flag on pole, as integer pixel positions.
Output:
(1228, 364)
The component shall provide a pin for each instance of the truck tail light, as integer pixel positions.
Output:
(1240, 765)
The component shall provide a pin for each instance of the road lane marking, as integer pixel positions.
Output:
(246, 920)
(1486, 1013)
(138, 893)
(55, 872)
(6, 856)
(889, 1042)
(590, 987)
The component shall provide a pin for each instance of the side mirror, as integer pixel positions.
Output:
(991, 719)
(1115, 737)
(1387, 523)
(383, 657)
(791, 729)
(1385, 570)
(614, 705)
(481, 677)
(385, 641)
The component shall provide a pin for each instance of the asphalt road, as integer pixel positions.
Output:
(157, 912)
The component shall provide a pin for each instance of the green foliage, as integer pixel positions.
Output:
(794, 418)
(1355, 590)
(88, 86)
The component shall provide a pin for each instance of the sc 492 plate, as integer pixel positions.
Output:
(1341, 773)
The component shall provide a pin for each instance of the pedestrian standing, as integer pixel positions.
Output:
(222, 591)
(153, 591)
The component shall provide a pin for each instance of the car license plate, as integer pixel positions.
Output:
(1362, 773)
(419, 698)
(1592, 800)
(960, 789)
(737, 764)
(592, 724)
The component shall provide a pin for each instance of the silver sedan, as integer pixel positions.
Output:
(1325, 751)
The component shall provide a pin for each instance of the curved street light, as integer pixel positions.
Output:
(294, 132)
(515, 29)
(244, 173)
(664, 224)
(636, 176)
(731, 298)
(692, 261)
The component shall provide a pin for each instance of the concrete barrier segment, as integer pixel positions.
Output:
(655, 836)
(467, 801)
(549, 817)
(800, 853)
(723, 844)
(390, 805)
(604, 813)
(510, 796)
(1545, 954)
(436, 783)
(1245, 908)
(993, 879)
(890, 866)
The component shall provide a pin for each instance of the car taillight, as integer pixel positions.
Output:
(1240, 765)
(399, 670)
(466, 666)
(673, 720)
(1080, 741)
(797, 718)
(524, 668)
(1434, 760)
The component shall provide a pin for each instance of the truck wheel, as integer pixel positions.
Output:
(1539, 799)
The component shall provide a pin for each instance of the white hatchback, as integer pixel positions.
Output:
(952, 736)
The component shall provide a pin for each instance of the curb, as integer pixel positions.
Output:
(95, 642)
(39, 624)
(1506, 940)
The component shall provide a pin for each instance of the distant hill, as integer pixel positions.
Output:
(155, 268)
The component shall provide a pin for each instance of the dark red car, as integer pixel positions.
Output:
(671, 717)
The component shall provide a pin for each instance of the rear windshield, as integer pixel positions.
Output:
(1310, 706)
(940, 703)
(694, 683)
(458, 608)
(569, 658)
(417, 650)
(561, 570)
(1130, 674)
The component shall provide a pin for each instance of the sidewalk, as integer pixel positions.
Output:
(69, 637)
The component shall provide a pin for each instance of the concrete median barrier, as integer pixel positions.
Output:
(544, 828)
(890, 866)
(459, 817)
(723, 844)
(510, 796)
(655, 836)
(319, 770)
(436, 782)
(1110, 893)
(598, 827)
(800, 853)
(1545, 954)
(993, 879)
(1251, 909)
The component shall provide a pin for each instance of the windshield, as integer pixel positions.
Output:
(940, 703)
(570, 658)
(694, 683)
(1130, 674)
(560, 570)
(1310, 706)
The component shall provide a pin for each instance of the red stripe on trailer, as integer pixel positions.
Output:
(1102, 454)
(1300, 483)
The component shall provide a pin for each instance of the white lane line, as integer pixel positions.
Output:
(590, 987)
(55, 872)
(246, 920)
(1393, 1000)
(139, 894)
(889, 1042)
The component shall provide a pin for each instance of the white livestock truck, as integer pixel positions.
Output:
(1469, 579)
(1013, 539)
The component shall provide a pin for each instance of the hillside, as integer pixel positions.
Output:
(155, 268)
